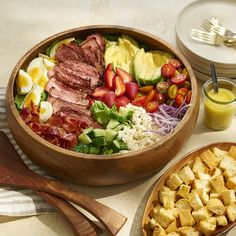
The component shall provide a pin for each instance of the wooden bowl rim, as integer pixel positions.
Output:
(130, 154)
(183, 160)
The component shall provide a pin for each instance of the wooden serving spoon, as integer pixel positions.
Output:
(81, 225)
(15, 174)
(220, 230)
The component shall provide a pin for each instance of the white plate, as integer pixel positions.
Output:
(205, 68)
(192, 16)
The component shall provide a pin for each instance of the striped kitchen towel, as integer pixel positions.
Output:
(19, 202)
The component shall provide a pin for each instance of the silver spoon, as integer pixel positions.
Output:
(214, 78)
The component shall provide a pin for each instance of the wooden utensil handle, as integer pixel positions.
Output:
(81, 225)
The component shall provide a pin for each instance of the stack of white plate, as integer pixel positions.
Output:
(198, 54)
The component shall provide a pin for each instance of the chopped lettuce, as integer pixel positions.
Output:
(19, 100)
(44, 96)
(48, 50)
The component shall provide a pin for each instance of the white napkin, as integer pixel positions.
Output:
(19, 202)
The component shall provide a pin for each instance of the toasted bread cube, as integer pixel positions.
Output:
(232, 152)
(201, 214)
(155, 210)
(159, 231)
(216, 206)
(228, 173)
(188, 231)
(168, 199)
(221, 220)
(218, 152)
(186, 218)
(174, 181)
(173, 234)
(164, 218)
(216, 172)
(202, 176)
(218, 183)
(172, 227)
(206, 227)
(228, 197)
(203, 195)
(165, 191)
(231, 212)
(152, 223)
(215, 195)
(183, 190)
(186, 175)
(199, 166)
(194, 200)
(231, 183)
(205, 184)
(183, 203)
(227, 163)
(210, 159)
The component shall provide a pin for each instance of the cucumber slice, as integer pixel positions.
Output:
(110, 135)
(99, 142)
(112, 124)
(84, 138)
(94, 150)
(97, 133)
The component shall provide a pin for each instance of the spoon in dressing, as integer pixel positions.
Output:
(214, 78)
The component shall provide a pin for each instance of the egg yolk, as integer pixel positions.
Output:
(42, 110)
(22, 81)
(30, 97)
(42, 82)
(34, 72)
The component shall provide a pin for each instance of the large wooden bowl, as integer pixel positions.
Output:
(103, 169)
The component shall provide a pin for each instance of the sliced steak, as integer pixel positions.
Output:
(66, 53)
(99, 40)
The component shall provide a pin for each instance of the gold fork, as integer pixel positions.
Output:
(206, 37)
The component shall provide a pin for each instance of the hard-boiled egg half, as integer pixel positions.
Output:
(36, 69)
(24, 82)
(33, 96)
(48, 63)
(43, 80)
(45, 111)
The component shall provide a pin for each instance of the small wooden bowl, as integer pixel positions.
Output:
(107, 169)
(174, 169)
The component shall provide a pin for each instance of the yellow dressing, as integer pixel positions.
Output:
(219, 116)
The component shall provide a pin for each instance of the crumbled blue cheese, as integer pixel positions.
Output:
(142, 134)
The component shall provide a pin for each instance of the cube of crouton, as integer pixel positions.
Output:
(152, 223)
(205, 184)
(168, 201)
(210, 159)
(216, 206)
(227, 162)
(231, 212)
(230, 172)
(199, 166)
(173, 234)
(231, 183)
(218, 152)
(164, 191)
(202, 176)
(194, 200)
(159, 231)
(183, 204)
(186, 218)
(218, 183)
(232, 152)
(216, 172)
(173, 182)
(228, 197)
(188, 231)
(215, 195)
(201, 214)
(206, 227)
(172, 227)
(183, 190)
(221, 220)
(203, 195)
(186, 175)
(155, 210)
(164, 218)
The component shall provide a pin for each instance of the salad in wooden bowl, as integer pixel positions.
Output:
(102, 104)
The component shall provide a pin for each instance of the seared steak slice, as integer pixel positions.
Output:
(66, 53)
(99, 40)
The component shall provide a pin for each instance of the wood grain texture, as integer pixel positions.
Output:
(174, 169)
(103, 169)
(81, 225)
(15, 174)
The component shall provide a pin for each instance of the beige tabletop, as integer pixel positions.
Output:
(25, 23)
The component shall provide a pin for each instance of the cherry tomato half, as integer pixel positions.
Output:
(151, 106)
(179, 99)
(168, 70)
(146, 89)
(150, 96)
(188, 96)
(178, 79)
(183, 91)
(139, 100)
(172, 91)
(175, 62)
(160, 98)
